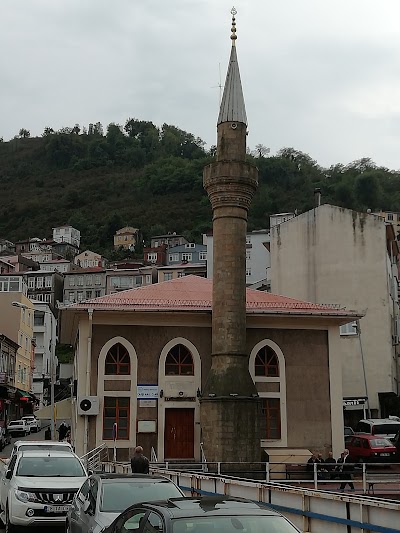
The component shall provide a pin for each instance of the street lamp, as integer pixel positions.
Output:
(52, 424)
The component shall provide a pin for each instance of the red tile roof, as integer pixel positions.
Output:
(194, 293)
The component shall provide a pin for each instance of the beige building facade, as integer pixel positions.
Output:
(333, 255)
(144, 355)
(126, 238)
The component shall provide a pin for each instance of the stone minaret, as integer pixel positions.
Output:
(230, 406)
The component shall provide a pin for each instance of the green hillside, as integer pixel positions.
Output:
(151, 178)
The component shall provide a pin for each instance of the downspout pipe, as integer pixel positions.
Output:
(87, 382)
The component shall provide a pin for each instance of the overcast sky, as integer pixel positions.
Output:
(322, 76)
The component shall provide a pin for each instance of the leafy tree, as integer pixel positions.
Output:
(260, 151)
(47, 131)
(23, 133)
(368, 190)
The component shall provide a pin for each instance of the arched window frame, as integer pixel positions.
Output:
(117, 362)
(282, 442)
(179, 362)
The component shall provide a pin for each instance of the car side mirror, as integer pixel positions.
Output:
(8, 474)
(90, 472)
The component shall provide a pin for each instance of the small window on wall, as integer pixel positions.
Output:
(179, 362)
(118, 362)
(266, 363)
(116, 410)
(271, 409)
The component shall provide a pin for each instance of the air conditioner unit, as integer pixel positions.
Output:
(88, 405)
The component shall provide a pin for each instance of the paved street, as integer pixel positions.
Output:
(6, 453)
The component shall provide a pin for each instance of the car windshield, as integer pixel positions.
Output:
(385, 429)
(380, 443)
(119, 495)
(28, 418)
(233, 524)
(50, 467)
(16, 423)
(58, 447)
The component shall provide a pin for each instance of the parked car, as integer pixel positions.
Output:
(209, 513)
(29, 445)
(104, 496)
(372, 449)
(18, 428)
(348, 433)
(34, 423)
(38, 486)
(381, 427)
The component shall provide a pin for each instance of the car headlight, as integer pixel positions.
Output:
(25, 497)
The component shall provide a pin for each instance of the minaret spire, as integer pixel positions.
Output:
(232, 105)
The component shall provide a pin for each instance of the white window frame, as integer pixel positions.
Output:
(40, 282)
(248, 271)
(186, 256)
(79, 296)
(202, 256)
(80, 281)
(97, 279)
(71, 281)
(152, 257)
(48, 281)
(31, 283)
(168, 276)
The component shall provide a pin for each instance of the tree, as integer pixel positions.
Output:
(260, 151)
(368, 190)
(24, 134)
(47, 131)
(76, 129)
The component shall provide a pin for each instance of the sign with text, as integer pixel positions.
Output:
(354, 401)
(147, 392)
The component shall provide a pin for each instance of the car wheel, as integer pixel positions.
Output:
(8, 527)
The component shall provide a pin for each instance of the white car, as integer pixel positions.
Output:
(38, 487)
(18, 427)
(34, 424)
(42, 445)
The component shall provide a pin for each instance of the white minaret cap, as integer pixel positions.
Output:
(232, 105)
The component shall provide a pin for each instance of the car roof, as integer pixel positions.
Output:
(41, 443)
(380, 421)
(207, 506)
(129, 477)
(368, 436)
(48, 453)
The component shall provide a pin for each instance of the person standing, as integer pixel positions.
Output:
(330, 465)
(62, 431)
(139, 462)
(345, 470)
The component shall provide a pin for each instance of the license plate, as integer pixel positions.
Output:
(385, 454)
(56, 508)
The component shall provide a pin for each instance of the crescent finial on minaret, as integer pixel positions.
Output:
(233, 29)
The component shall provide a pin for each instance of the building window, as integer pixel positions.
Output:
(71, 281)
(248, 239)
(202, 256)
(88, 295)
(97, 293)
(248, 271)
(271, 409)
(72, 297)
(186, 257)
(116, 411)
(181, 274)
(390, 217)
(148, 279)
(80, 281)
(97, 279)
(80, 296)
(48, 281)
(89, 281)
(31, 283)
(190, 245)
(248, 255)
(167, 276)
(39, 283)
(152, 257)
(349, 329)
(266, 363)
(138, 280)
(118, 362)
(179, 362)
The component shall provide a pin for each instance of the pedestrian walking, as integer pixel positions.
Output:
(330, 465)
(62, 431)
(139, 462)
(345, 470)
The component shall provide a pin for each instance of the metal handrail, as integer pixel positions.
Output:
(203, 458)
(94, 459)
(153, 456)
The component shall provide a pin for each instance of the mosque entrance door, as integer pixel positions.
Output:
(179, 434)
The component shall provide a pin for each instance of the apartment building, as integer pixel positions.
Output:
(129, 278)
(45, 286)
(169, 272)
(58, 265)
(67, 234)
(89, 259)
(258, 259)
(169, 240)
(156, 255)
(189, 252)
(332, 255)
(8, 356)
(126, 238)
(84, 284)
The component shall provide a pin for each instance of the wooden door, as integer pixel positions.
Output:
(179, 434)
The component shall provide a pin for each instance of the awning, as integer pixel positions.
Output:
(62, 410)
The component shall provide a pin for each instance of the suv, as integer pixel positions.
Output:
(37, 488)
(34, 424)
(18, 427)
(381, 427)
(42, 445)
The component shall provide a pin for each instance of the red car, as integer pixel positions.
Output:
(371, 449)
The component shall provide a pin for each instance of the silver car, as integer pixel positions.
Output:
(104, 496)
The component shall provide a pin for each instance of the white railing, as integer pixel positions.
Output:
(203, 458)
(94, 459)
(153, 456)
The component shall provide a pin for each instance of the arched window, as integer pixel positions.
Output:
(266, 363)
(118, 362)
(179, 362)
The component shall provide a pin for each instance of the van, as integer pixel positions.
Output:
(382, 427)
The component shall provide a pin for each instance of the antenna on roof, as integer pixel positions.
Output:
(219, 85)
